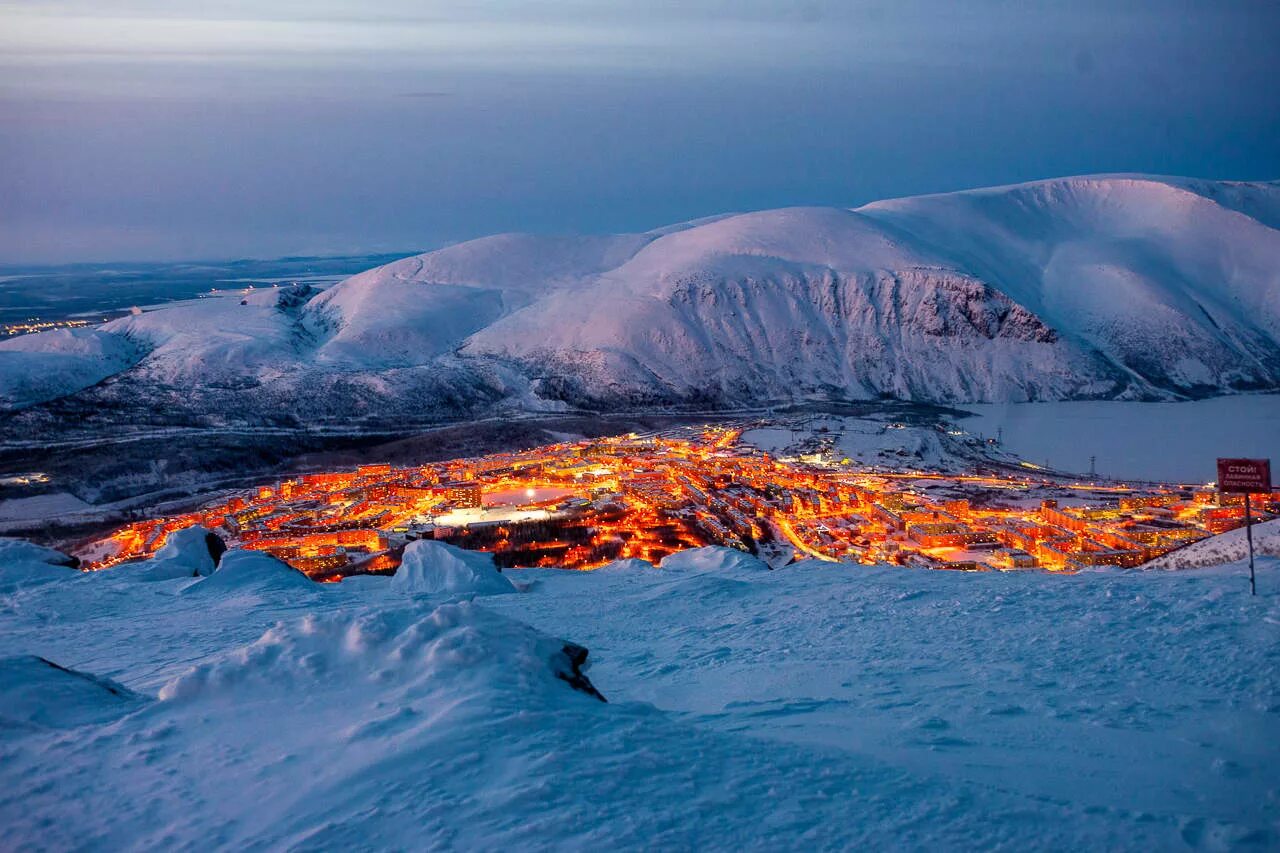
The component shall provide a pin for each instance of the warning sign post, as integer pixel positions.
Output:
(1245, 476)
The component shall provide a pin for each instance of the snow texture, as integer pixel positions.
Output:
(815, 706)
(38, 693)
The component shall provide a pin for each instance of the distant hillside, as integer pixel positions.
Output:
(1127, 287)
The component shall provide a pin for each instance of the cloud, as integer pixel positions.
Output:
(171, 127)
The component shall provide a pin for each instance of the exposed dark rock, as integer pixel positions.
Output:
(216, 546)
(575, 656)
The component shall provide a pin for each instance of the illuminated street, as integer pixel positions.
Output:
(583, 504)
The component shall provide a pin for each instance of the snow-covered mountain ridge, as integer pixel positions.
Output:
(1094, 287)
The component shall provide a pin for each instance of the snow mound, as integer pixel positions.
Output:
(38, 692)
(712, 558)
(435, 568)
(252, 571)
(1224, 548)
(456, 651)
(631, 566)
(24, 564)
(190, 552)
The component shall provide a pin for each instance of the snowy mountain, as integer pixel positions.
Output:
(816, 706)
(1095, 287)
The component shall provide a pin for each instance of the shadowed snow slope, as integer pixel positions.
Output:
(17, 551)
(37, 692)
(821, 707)
(436, 568)
(24, 564)
(1094, 287)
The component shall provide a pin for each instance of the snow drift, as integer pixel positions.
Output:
(455, 652)
(628, 566)
(712, 558)
(253, 572)
(190, 552)
(24, 564)
(437, 568)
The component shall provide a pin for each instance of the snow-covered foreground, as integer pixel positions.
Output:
(816, 706)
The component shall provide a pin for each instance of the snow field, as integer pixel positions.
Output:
(817, 705)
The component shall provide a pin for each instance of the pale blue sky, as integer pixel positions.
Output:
(143, 129)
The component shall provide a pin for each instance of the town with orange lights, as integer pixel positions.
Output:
(583, 504)
(731, 426)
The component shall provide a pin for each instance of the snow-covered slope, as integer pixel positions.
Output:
(23, 565)
(227, 341)
(1223, 548)
(818, 706)
(792, 303)
(1179, 289)
(1095, 287)
(49, 365)
(413, 310)
(1083, 287)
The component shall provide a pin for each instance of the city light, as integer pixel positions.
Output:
(583, 504)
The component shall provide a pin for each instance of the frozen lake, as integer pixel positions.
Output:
(1162, 441)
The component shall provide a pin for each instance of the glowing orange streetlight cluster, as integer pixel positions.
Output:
(583, 504)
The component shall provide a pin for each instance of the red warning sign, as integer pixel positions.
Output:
(1244, 475)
